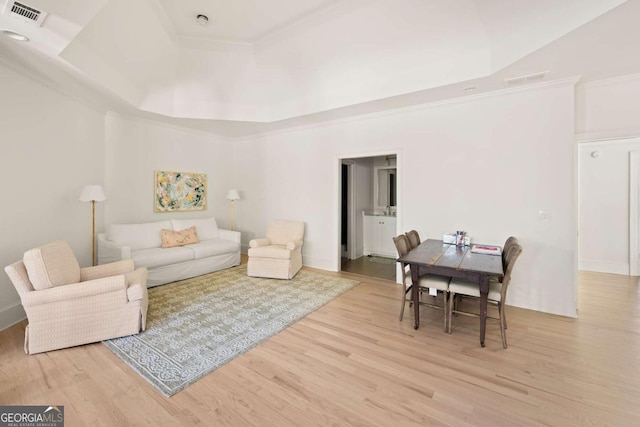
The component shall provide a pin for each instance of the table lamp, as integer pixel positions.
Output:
(93, 194)
(232, 196)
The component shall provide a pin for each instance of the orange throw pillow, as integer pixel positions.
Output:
(172, 238)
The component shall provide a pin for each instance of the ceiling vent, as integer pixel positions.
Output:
(526, 79)
(24, 12)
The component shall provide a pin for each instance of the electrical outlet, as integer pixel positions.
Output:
(544, 216)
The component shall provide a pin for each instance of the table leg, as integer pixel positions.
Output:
(484, 293)
(415, 295)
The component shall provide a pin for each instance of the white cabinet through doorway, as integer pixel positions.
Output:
(379, 232)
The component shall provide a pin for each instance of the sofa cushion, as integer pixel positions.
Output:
(51, 265)
(171, 239)
(207, 228)
(138, 236)
(271, 251)
(213, 247)
(156, 257)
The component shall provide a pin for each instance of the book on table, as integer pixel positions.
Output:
(486, 249)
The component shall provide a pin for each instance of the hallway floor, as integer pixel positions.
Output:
(380, 268)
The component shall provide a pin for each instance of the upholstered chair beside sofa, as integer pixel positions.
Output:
(68, 306)
(279, 255)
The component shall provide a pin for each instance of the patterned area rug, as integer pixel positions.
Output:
(197, 325)
(381, 260)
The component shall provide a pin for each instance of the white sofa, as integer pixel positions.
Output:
(218, 249)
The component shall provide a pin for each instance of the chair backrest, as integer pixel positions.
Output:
(414, 238)
(403, 247)
(514, 252)
(509, 242)
(51, 265)
(44, 267)
(505, 250)
(281, 232)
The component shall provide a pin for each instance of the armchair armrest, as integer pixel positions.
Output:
(106, 270)
(234, 236)
(259, 242)
(109, 251)
(295, 244)
(75, 290)
(137, 284)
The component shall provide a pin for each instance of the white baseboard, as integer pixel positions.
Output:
(604, 266)
(319, 263)
(10, 315)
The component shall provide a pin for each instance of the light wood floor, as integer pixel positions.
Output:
(353, 363)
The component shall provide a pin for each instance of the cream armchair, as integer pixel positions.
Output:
(67, 305)
(279, 255)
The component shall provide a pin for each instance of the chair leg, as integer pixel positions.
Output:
(503, 316)
(445, 309)
(503, 325)
(450, 310)
(404, 299)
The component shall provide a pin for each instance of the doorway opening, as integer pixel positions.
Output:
(369, 206)
(609, 206)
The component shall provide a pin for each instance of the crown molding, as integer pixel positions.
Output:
(28, 72)
(567, 81)
(595, 142)
(210, 43)
(612, 80)
(162, 123)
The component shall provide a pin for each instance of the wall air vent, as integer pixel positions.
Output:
(525, 79)
(24, 12)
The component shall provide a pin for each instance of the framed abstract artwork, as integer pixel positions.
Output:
(180, 191)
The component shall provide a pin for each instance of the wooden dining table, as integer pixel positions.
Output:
(435, 257)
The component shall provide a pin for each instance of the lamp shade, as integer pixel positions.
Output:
(233, 195)
(91, 193)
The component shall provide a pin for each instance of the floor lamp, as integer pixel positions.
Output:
(93, 194)
(232, 196)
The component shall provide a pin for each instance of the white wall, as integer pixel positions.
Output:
(220, 81)
(487, 164)
(604, 206)
(332, 59)
(608, 109)
(51, 147)
(137, 148)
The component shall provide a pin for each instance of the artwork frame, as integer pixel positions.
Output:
(180, 191)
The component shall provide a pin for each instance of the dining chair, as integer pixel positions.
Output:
(427, 281)
(511, 240)
(414, 238)
(505, 249)
(497, 291)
